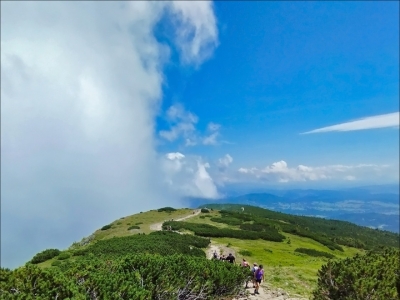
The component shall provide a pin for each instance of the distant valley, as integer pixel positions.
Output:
(372, 206)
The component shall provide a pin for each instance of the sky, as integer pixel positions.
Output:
(111, 108)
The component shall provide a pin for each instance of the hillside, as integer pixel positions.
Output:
(292, 249)
(375, 207)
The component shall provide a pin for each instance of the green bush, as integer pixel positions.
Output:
(133, 227)
(63, 256)
(245, 253)
(207, 230)
(227, 220)
(205, 211)
(159, 242)
(166, 209)
(202, 217)
(374, 276)
(143, 277)
(106, 227)
(56, 263)
(45, 255)
(315, 253)
(139, 223)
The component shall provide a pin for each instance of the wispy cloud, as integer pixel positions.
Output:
(281, 172)
(183, 125)
(380, 121)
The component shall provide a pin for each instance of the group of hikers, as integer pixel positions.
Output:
(257, 270)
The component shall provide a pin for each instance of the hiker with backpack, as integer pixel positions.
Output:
(253, 270)
(259, 277)
(230, 258)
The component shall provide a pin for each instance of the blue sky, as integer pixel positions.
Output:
(112, 108)
(284, 68)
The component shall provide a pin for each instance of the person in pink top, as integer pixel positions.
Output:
(245, 264)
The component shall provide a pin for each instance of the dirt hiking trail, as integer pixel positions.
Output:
(265, 292)
(158, 226)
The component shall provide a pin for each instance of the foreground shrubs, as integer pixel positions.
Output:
(313, 252)
(373, 276)
(142, 277)
(165, 243)
(45, 255)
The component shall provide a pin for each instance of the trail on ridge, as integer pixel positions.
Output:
(265, 292)
(158, 226)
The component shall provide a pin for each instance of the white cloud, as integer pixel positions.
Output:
(198, 36)
(211, 139)
(281, 172)
(81, 84)
(188, 176)
(380, 121)
(224, 162)
(183, 125)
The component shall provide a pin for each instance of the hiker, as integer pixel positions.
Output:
(259, 277)
(254, 270)
(245, 264)
(230, 258)
(215, 256)
(222, 257)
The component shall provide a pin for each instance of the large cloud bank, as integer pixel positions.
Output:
(81, 84)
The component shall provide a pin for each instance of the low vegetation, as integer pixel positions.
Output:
(45, 255)
(331, 233)
(165, 243)
(116, 263)
(166, 209)
(133, 227)
(106, 227)
(375, 276)
(129, 277)
(206, 230)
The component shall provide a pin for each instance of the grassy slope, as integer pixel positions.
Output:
(294, 272)
(120, 227)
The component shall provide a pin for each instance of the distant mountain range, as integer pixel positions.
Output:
(371, 206)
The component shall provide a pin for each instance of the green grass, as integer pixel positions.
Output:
(120, 227)
(294, 272)
(146, 218)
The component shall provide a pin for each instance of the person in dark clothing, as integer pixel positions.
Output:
(230, 258)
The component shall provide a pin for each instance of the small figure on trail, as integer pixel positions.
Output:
(215, 256)
(254, 270)
(230, 258)
(222, 257)
(259, 276)
(245, 264)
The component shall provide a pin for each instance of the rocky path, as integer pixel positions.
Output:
(268, 294)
